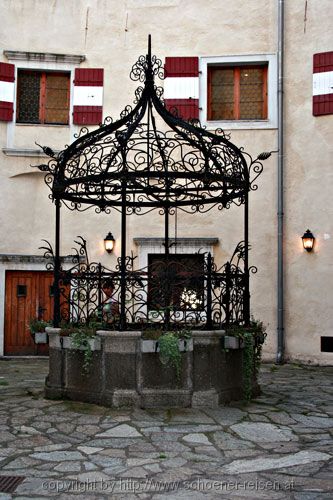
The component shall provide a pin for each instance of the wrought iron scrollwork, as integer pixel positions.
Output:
(185, 166)
(151, 159)
(186, 291)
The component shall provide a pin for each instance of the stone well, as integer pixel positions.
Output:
(126, 371)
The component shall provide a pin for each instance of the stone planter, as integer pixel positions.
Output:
(229, 342)
(126, 371)
(40, 338)
(95, 344)
(153, 345)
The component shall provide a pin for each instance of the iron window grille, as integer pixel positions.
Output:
(43, 97)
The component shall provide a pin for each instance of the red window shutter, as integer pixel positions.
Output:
(322, 84)
(7, 78)
(181, 66)
(89, 77)
(181, 87)
(88, 96)
(187, 109)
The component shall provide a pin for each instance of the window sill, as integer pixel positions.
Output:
(239, 124)
(24, 152)
(18, 124)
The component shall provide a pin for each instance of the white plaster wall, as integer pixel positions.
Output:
(112, 34)
(308, 186)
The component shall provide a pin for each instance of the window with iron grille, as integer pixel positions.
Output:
(237, 92)
(178, 281)
(43, 97)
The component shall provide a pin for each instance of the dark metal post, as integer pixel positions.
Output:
(99, 307)
(122, 324)
(227, 293)
(56, 287)
(209, 324)
(246, 303)
(167, 273)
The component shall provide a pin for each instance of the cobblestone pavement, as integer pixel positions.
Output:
(279, 446)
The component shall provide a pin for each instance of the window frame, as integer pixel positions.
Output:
(174, 285)
(42, 96)
(237, 88)
(247, 61)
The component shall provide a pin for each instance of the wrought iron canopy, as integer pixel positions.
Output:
(150, 159)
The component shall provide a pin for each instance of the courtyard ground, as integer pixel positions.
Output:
(279, 446)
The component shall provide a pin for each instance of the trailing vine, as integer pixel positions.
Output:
(168, 343)
(253, 338)
(80, 336)
(169, 352)
(80, 340)
(248, 365)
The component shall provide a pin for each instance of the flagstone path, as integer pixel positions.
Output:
(278, 447)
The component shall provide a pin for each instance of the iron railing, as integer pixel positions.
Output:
(169, 293)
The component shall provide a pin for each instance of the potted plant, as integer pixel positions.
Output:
(37, 330)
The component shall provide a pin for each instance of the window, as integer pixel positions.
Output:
(43, 97)
(185, 277)
(21, 290)
(237, 92)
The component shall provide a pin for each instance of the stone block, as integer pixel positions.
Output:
(206, 399)
(167, 398)
(125, 398)
(154, 374)
(120, 342)
(120, 370)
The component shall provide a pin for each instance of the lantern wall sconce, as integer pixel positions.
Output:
(109, 242)
(308, 240)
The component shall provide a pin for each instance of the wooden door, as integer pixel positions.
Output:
(28, 295)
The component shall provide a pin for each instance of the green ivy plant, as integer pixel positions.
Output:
(80, 336)
(168, 343)
(80, 340)
(253, 337)
(169, 352)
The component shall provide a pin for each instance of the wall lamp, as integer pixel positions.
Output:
(109, 242)
(308, 240)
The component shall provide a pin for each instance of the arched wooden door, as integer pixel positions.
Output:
(28, 295)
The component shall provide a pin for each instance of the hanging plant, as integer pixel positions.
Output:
(81, 337)
(248, 365)
(169, 352)
(253, 337)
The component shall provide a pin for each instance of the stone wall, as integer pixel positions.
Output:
(126, 371)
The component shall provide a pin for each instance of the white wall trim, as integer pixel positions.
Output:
(271, 122)
(184, 245)
(18, 55)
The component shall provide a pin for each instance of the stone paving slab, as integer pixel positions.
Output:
(279, 446)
